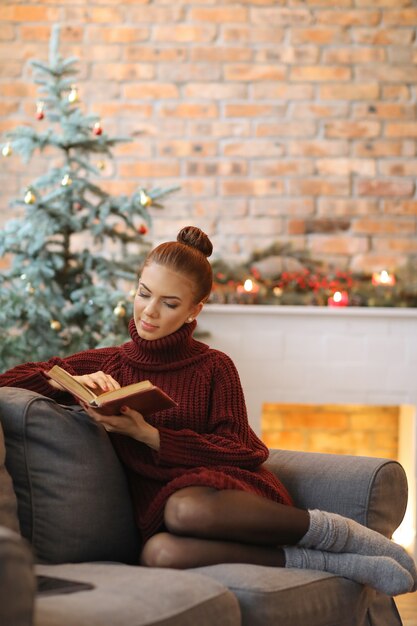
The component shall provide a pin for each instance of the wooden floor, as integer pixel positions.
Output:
(407, 607)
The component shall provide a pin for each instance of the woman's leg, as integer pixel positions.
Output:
(242, 517)
(167, 550)
(232, 515)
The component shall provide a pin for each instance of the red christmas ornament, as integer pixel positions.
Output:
(142, 230)
(97, 130)
(39, 110)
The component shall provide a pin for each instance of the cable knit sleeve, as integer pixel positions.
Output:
(229, 440)
(31, 375)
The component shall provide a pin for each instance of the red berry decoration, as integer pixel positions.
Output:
(97, 130)
(39, 110)
(142, 230)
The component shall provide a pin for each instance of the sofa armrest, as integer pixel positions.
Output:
(372, 491)
(17, 580)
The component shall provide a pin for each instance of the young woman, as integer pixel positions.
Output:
(201, 492)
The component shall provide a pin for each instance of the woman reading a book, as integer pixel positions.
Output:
(201, 492)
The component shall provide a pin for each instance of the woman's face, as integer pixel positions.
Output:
(163, 302)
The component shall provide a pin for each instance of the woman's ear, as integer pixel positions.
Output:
(195, 312)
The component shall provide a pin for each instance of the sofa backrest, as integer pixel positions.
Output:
(73, 498)
(8, 502)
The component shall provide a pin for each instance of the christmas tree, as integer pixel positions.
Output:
(76, 250)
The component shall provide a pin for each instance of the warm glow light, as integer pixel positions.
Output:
(405, 533)
(248, 285)
(383, 278)
(337, 296)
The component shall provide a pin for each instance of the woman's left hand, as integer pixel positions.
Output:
(130, 423)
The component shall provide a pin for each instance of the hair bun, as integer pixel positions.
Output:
(195, 238)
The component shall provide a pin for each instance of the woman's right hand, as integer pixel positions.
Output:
(99, 382)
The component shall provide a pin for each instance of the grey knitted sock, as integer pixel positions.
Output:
(380, 572)
(334, 533)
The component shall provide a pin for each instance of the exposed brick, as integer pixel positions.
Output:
(217, 168)
(383, 187)
(351, 206)
(253, 148)
(254, 110)
(219, 129)
(29, 13)
(319, 186)
(215, 91)
(387, 73)
(355, 91)
(281, 16)
(356, 55)
(319, 110)
(232, 14)
(150, 53)
(396, 92)
(339, 244)
(117, 34)
(404, 17)
(383, 36)
(287, 167)
(184, 33)
(181, 147)
(366, 226)
(7, 32)
(218, 53)
(318, 148)
(321, 73)
(286, 129)
(389, 245)
(160, 169)
(188, 110)
(352, 130)
(349, 18)
(152, 91)
(385, 110)
(250, 34)
(123, 71)
(254, 187)
(282, 206)
(185, 72)
(250, 72)
(371, 262)
(401, 129)
(252, 226)
(381, 148)
(282, 91)
(405, 167)
(290, 55)
(344, 167)
(400, 207)
(319, 36)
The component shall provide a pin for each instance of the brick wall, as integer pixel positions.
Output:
(335, 429)
(281, 120)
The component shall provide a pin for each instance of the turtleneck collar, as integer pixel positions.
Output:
(167, 352)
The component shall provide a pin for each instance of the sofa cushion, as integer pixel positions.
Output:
(73, 497)
(126, 595)
(269, 596)
(17, 580)
(8, 502)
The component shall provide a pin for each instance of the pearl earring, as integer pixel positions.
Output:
(190, 319)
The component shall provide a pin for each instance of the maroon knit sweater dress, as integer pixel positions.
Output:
(205, 440)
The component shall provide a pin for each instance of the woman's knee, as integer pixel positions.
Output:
(161, 550)
(190, 511)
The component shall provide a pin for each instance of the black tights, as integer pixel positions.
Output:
(206, 526)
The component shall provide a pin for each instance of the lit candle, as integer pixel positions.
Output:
(383, 278)
(248, 291)
(339, 298)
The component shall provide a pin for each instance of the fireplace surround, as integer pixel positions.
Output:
(321, 355)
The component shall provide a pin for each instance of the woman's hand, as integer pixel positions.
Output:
(99, 382)
(130, 423)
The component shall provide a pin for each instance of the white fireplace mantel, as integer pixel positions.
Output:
(321, 355)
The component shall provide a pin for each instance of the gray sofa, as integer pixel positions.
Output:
(65, 512)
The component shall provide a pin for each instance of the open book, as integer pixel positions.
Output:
(143, 397)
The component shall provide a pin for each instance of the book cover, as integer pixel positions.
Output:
(143, 396)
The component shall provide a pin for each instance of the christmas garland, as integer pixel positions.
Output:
(281, 276)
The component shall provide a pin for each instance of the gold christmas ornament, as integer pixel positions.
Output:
(7, 150)
(101, 165)
(132, 293)
(144, 199)
(30, 197)
(73, 94)
(66, 181)
(119, 310)
(55, 325)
